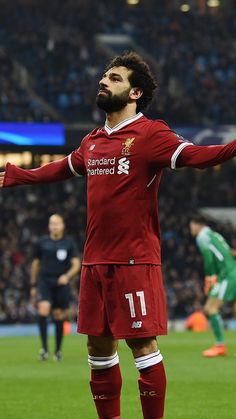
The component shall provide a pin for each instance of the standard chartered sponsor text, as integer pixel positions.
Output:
(97, 171)
(101, 162)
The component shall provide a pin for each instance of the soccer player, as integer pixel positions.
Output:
(55, 263)
(220, 279)
(121, 291)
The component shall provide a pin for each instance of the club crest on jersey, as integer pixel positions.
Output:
(61, 254)
(127, 146)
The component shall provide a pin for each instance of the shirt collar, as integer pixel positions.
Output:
(122, 123)
(204, 231)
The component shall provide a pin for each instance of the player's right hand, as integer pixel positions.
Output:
(2, 175)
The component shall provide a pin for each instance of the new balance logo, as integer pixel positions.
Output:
(123, 166)
(148, 393)
(136, 325)
(99, 397)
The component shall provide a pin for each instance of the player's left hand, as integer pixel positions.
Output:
(63, 279)
(233, 251)
(210, 281)
(2, 175)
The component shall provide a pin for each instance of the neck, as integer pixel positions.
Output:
(201, 229)
(56, 236)
(112, 119)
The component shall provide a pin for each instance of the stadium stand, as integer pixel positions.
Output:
(196, 74)
(17, 101)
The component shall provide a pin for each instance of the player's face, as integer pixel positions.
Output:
(114, 90)
(56, 226)
(194, 228)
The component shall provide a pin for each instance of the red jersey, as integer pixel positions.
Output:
(124, 166)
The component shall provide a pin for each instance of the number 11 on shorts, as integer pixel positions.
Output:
(130, 297)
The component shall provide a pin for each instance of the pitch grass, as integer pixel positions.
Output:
(198, 388)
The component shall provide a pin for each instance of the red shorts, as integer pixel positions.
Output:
(122, 301)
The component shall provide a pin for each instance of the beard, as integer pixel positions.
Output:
(115, 103)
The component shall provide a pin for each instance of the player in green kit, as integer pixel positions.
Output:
(220, 278)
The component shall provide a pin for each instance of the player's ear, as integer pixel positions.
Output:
(135, 93)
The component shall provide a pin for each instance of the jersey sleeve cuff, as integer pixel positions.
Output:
(71, 166)
(177, 152)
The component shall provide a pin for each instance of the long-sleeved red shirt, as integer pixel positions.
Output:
(124, 167)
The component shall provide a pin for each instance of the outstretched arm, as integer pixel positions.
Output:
(51, 172)
(2, 175)
(165, 148)
(202, 157)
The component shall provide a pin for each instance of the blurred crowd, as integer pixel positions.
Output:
(16, 101)
(24, 217)
(193, 56)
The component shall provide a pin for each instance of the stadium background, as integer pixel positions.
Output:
(51, 59)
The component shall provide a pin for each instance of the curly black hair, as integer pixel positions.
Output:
(141, 76)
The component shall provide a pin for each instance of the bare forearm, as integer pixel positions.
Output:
(67, 276)
(35, 267)
(75, 268)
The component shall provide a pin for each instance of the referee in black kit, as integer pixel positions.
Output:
(55, 262)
